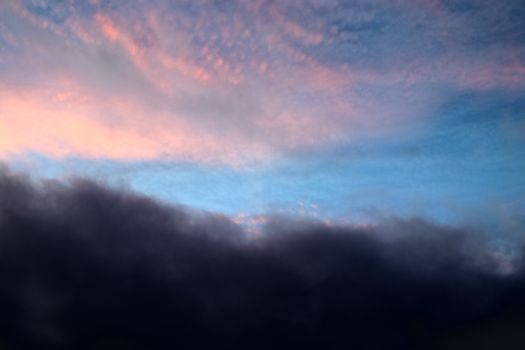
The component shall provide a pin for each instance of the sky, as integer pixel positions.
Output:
(339, 111)
(295, 174)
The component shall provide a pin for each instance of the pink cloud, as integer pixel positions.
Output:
(65, 124)
(81, 115)
(141, 86)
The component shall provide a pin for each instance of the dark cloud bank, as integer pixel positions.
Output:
(86, 267)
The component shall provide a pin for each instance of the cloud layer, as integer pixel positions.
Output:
(88, 267)
(243, 82)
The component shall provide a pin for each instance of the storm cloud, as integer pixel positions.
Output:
(84, 266)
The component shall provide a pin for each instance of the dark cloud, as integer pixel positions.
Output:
(87, 267)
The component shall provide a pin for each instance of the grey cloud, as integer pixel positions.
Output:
(84, 266)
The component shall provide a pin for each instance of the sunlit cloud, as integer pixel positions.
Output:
(232, 86)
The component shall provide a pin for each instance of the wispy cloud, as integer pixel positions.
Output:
(242, 82)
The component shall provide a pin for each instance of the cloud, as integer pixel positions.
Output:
(84, 266)
(244, 82)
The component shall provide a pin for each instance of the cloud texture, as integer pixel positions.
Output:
(87, 267)
(240, 82)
